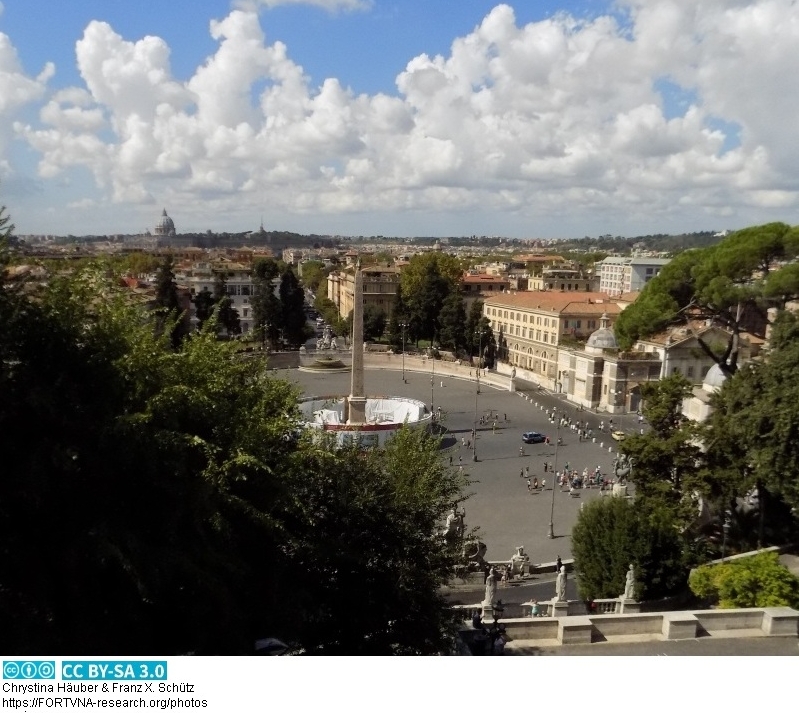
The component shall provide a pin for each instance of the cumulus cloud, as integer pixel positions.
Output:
(557, 117)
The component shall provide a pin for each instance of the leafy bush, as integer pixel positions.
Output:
(759, 581)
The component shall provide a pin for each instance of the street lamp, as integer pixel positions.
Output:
(403, 325)
(479, 333)
(725, 529)
(432, 380)
(551, 534)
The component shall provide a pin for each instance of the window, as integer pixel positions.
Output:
(690, 372)
(524, 318)
(538, 335)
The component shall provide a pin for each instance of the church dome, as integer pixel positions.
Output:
(602, 339)
(714, 379)
(165, 226)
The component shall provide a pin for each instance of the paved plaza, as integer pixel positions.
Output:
(506, 513)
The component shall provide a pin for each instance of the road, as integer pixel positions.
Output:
(500, 505)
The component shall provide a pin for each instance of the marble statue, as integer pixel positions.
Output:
(455, 526)
(629, 584)
(560, 585)
(518, 561)
(491, 587)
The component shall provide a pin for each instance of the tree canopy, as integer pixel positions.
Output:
(166, 501)
(733, 284)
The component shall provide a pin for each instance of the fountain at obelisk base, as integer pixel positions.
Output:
(369, 420)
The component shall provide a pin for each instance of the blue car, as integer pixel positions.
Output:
(533, 437)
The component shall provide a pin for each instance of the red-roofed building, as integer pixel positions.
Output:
(481, 286)
(530, 326)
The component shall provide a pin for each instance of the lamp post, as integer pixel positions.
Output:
(551, 534)
(432, 380)
(725, 529)
(403, 325)
(479, 333)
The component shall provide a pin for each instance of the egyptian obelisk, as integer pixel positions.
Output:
(356, 402)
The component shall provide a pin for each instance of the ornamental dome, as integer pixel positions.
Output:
(165, 226)
(603, 338)
(714, 379)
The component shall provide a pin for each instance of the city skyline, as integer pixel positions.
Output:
(363, 117)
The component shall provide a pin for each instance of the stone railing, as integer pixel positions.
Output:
(769, 621)
(607, 606)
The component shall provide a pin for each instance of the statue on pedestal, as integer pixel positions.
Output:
(629, 584)
(518, 561)
(560, 585)
(491, 587)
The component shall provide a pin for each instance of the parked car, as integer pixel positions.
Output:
(533, 437)
(618, 435)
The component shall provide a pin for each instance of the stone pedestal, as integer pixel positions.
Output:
(619, 490)
(488, 612)
(629, 606)
(560, 608)
(357, 409)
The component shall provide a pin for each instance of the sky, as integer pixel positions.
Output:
(533, 119)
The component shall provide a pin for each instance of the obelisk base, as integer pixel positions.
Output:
(357, 410)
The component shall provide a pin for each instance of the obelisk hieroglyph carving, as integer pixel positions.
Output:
(356, 413)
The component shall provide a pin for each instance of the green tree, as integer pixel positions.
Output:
(313, 274)
(425, 284)
(292, 309)
(170, 317)
(374, 322)
(750, 437)
(453, 323)
(399, 315)
(172, 505)
(373, 517)
(265, 304)
(667, 462)
(203, 307)
(227, 314)
(612, 533)
(750, 582)
(732, 283)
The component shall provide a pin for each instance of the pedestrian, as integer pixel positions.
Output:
(463, 441)
(546, 440)
(640, 418)
(468, 444)
(602, 426)
(535, 482)
(521, 451)
(460, 469)
(521, 473)
(460, 459)
(529, 486)
(543, 483)
(506, 416)
(610, 424)
(450, 460)
(442, 385)
(494, 427)
(546, 466)
(527, 469)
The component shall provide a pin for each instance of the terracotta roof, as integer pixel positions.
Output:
(628, 296)
(574, 302)
(484, 278)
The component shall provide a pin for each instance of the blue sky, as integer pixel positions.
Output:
(528, 119)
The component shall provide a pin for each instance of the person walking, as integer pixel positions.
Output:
(450, 460)
(529, 486)
(527, 470)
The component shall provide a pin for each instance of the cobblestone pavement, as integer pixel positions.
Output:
(507, 514)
